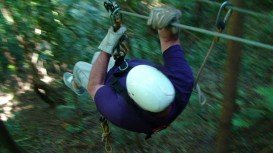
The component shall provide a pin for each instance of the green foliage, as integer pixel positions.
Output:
(74, 129)
(71, 30)
(259, 110)
(11, 68)
(267, 98)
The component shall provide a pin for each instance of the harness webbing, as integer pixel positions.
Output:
(148, 117)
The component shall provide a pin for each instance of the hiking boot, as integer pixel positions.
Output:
(69, 82)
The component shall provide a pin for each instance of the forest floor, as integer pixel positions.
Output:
(37, 128)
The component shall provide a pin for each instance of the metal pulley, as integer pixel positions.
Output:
(116, 17)
(122, 47)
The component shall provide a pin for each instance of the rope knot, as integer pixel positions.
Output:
(105, 137)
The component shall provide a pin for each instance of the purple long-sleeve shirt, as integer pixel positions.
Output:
(121, 113)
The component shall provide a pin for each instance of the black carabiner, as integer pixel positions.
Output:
(221, 22)
(122, 48)
(116, 17)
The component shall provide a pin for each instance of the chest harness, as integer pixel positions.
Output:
(149, 118)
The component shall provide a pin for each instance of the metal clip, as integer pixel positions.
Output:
(122, 48)
(116, 17)
(221, 23)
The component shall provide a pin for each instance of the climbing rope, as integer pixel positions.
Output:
(105, 137)
(205, 61)
(220, 35)
(220, 24)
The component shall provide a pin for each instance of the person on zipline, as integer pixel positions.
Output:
(141, 97)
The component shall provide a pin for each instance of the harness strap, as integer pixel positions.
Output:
(149, 118)
(178, 97)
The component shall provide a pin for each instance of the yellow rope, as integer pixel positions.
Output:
(105, 137)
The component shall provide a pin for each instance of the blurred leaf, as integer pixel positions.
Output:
(266, 93)
(253, 113)
(74, 129)
(241, 123)
(12, 68)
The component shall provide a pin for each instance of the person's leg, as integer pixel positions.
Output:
(78, 81)
(68, 79)
(81, 73)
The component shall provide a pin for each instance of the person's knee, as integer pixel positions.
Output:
(83, 67)
(79, 65)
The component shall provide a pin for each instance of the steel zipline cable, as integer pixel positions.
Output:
(220, 35)
(238, 9)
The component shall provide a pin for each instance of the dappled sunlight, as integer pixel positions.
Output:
(23, 86)
(42, 91)
(9, 106)
(19, 38)
(47, 79)
(38, 31)
(6, 105)
(3, 117)
(7, 16)
(9, 57)
(154, 3)
(27, 107)
(40, 67)
(34, 58)
(58, 21)
(9, 111)
(41, 40)
(4, 99)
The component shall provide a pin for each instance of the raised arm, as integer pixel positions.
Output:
(99, 69)
(160, 18)
(98, 73)
(167, 39)
(175, 67)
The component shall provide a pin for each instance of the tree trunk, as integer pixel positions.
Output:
(230, 83)
(6, 140)
(198, 11)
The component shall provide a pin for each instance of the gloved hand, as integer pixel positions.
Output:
(162, 17)
(111, 40)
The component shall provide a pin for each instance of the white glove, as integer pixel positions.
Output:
(111, 40)
(161, 17)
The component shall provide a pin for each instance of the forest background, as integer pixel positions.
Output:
(42, 39)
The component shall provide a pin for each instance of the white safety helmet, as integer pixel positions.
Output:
(150, 88)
